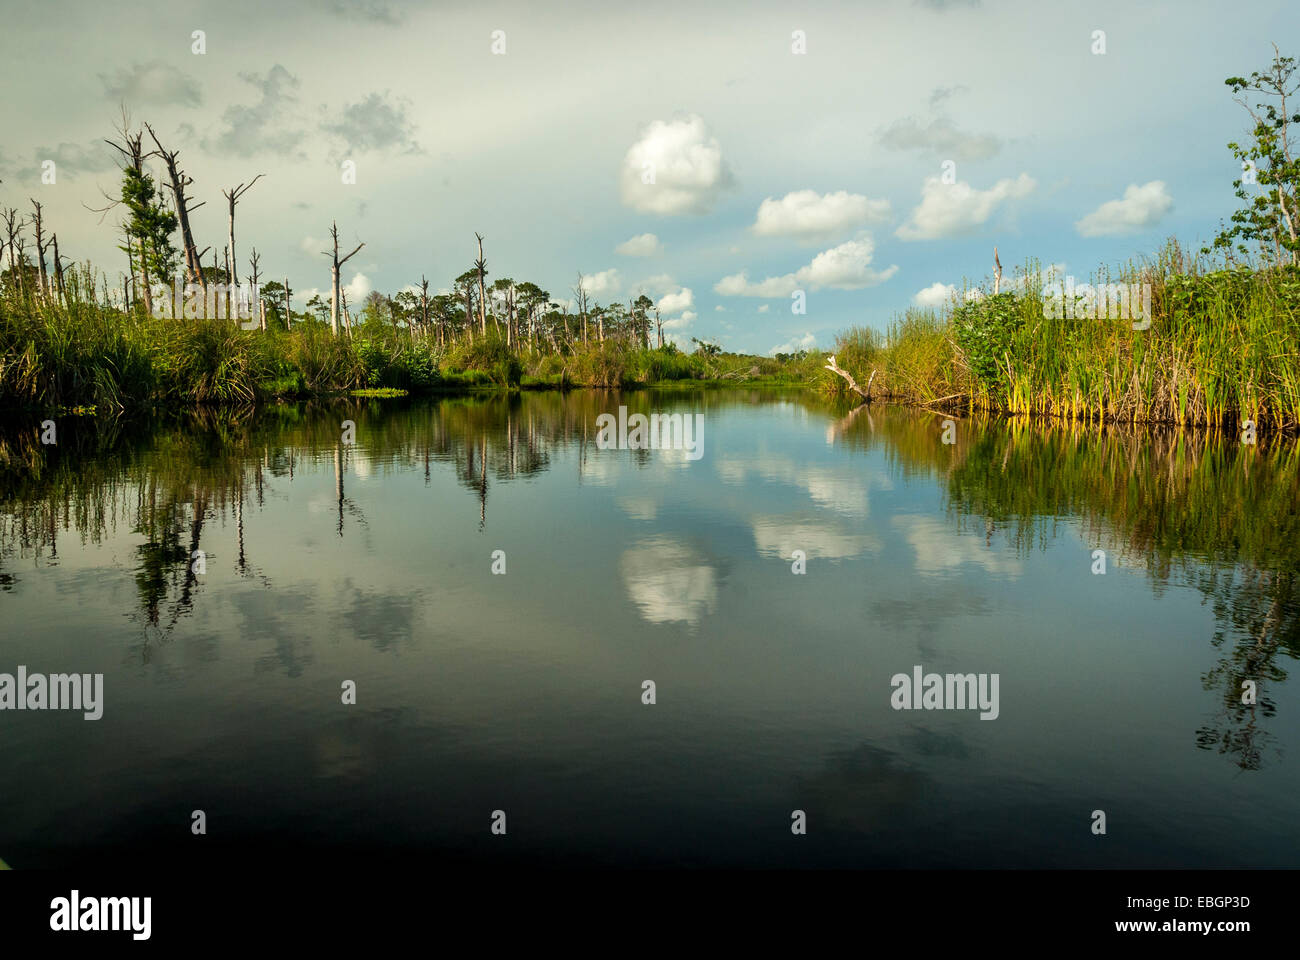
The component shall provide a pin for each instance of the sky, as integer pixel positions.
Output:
(723, 158)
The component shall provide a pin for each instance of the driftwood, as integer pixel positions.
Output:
(835, 368)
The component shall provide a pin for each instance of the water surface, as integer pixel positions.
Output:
(522, 692)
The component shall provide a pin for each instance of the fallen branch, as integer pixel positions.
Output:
(835, 368)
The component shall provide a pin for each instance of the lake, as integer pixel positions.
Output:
(236, 576)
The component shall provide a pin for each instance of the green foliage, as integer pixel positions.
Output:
(985, 329)
(1269, 186)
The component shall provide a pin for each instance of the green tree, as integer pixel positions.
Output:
(1270, 180)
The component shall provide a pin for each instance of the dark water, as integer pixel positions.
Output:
(522, 692)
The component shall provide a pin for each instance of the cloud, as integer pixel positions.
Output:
(939, 94)
(941, 551)
(952, 208)
(1140, 207)
(73, 158)
(809, 215)
(642, 245)
(682, 322)
(719, 309)
(764, 308)
(668, 581)
(846, 267)
(781, 536)
(941, 136)
(687, 166)
(936, 295)
(676, 302)
(388, 12)
(603, 284)
(375, 123)
(794, 345)
(154, 83)
(357, 289)
(263, 127)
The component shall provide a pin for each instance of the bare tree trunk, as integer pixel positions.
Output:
(997, 273)
(424, 305)
(58, 269)
(288, 311)
(144, 277)
(481, 265)
(179, 181)
(255, 294)
(42, 277)
(232, 197)
(335, 264)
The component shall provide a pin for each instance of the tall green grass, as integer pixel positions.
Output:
(1223, 347)
(79, 350)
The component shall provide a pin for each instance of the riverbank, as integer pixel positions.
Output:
(60, 355)
(1219, 347)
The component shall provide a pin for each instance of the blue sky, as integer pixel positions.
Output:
(775, 171)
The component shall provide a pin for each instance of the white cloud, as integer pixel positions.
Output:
(846, 267)
(936, 295)
(720, 309)
(1140, 207)
(642, 245)
(676, 302)
(794, 345)
(940, 551)
(809, 215)
(659, 284)
(603, 284)
(682, 322)
(687, 166)
(668, 581)
(764, 308)
(357, 289)
(781, 536)
(952, 208)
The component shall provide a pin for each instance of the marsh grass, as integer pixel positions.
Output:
(1223, 347)
(82, 350)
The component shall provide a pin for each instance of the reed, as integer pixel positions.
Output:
(1223, 347)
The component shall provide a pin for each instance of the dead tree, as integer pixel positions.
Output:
(424, 305)
(288, 311)
(13, 227)
(232, 197)
(997, 273)
(43, 278)
(179, 181)
(58, 270)
(580, 298)
(255, 295)
(481, 266)
(335, 265)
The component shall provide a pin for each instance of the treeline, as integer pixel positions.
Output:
(186, 324)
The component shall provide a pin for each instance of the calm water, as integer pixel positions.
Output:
(478, 692)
